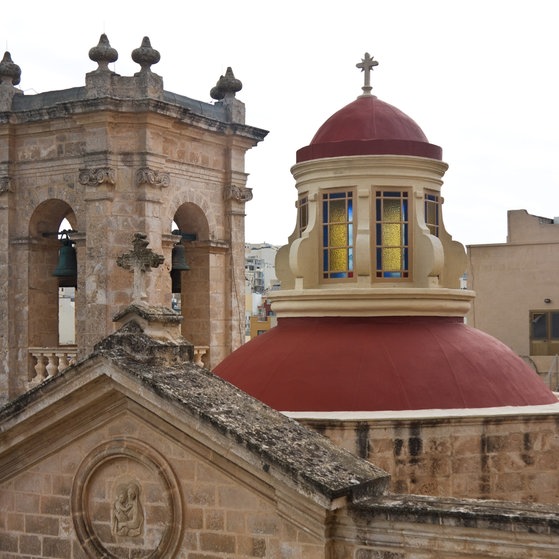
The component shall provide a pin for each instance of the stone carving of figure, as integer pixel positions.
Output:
(128, 515)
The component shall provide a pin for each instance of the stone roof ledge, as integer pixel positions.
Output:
(159, 376)
(275, 444)
(149, 334)
(160, 323)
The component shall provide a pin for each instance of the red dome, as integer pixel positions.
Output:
(368, 126)
(381, 363)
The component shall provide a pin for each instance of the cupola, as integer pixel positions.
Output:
(371, 309)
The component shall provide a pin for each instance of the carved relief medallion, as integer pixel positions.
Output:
(128, 515)
(126, 503)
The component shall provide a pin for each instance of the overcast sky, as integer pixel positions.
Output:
(479, 77)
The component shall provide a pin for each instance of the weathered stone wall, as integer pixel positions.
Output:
(188, 501)
(194, 502)
(113, 167)
(432, 528)
(487, 457)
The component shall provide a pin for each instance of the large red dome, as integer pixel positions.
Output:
(369, 126)
(381, 363)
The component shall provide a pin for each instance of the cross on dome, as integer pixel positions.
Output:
(367, 64)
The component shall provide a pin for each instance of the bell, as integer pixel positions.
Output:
(178, 265)
(178, 260)
(67, 267)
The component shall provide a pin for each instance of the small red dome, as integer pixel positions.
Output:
(381, 363)
(369, 126)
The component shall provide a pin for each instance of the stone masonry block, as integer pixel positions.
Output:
(30, 545)
(54, 505)
(37, 524)
(56, 547)
(217, 543)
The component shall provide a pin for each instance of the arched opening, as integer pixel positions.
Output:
(191, 288)
(67, 284)
(51, 288)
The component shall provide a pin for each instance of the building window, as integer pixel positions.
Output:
(337, 235)
(392, 234)
(303, 214)
(432, 213)
(544, 332)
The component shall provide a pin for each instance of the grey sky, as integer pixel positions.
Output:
(479, 77)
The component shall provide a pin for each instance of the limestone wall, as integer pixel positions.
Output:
(509, 457)
(114, 168)
(128, 490)
(433, 528)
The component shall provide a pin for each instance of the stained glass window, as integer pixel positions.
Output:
(337, 235)
(432, 212)
(392, 234)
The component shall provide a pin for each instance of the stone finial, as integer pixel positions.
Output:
(367, 64)
(141, 260)
(226, 86)
(9, 72)
(103, 54)
(145, 55)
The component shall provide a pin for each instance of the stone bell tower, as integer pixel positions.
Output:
(102, 162)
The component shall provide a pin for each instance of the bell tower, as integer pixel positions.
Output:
(82, 171)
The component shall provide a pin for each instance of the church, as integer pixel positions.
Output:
(370, 423)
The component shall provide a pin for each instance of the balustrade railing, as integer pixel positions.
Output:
(49, 361)
(199, 352)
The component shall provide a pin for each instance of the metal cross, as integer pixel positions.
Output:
(140, 260)
(366, 65)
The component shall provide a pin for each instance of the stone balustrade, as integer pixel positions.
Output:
(199, 352)
(49, 361)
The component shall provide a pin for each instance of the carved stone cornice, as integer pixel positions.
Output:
(97, 176)
(145, 175)
(5, 184)
(237, 193)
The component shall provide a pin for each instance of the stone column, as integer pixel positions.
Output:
(96, 269)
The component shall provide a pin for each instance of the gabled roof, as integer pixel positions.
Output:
(128, 366)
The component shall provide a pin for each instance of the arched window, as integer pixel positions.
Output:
(67, 284)
(191, 288)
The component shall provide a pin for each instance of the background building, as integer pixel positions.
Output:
(517, 290)
(260, 277)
